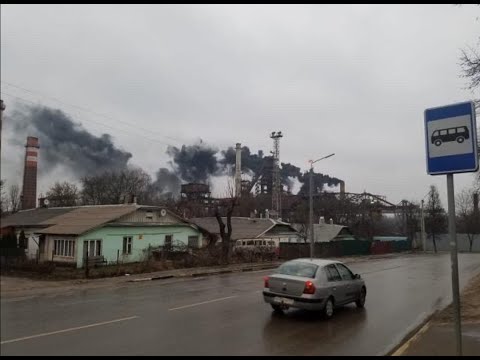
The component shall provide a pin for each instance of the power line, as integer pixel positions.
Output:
(90, 111)
(93, 121)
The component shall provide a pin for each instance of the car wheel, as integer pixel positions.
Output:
(328, 309)
(438, 142)
(460, 139)
(277, 309)
(361, 300)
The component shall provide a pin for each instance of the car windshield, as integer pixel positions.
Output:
(297, 268)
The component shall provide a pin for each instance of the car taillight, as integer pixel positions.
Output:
(309, 288)
(265, 282)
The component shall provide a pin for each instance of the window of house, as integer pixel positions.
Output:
(168, 240)
(64, 248)
(193, 241)
(127, 245)
(94, 247)
(149, 215)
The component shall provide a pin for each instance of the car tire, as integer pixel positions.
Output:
(438, 142)
(460, 139)
(361, 300)
(328, 309)
(277, 309)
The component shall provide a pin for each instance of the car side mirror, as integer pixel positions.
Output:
(357, 276)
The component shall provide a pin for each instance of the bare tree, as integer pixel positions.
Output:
(111, 187)
(468, 215)
(227, 207)
(435, 220)
(470, 63)
(14, 198)
(470, 66)
(63, 194)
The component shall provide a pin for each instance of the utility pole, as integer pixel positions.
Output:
(312, 234)
(312, 237)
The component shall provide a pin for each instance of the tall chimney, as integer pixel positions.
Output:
(29, 192)
(238, 170)
(342, 189)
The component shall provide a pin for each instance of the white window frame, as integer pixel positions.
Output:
(64, 248)
(97, 247)
(127, 245)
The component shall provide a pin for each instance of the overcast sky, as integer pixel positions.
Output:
(348, 79)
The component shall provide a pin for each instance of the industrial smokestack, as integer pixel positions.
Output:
(29, 192)
(238, 170)
(342, 189)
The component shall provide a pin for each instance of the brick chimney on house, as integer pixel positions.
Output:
(29, 191)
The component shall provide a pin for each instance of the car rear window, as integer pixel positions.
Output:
(297, 268)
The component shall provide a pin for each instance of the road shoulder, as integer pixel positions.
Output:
(436, 337)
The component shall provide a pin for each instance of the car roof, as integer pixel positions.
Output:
(319, 262)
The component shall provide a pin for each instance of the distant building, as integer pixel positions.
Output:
(30, 222)
(332, 232)
(246, 230)
(113, 232)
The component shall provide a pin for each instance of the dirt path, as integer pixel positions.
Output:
(470, 305)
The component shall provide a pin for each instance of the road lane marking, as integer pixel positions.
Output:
(203, 302)
(67, 330)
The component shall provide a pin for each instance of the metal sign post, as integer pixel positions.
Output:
(454, 258)
(451, 147)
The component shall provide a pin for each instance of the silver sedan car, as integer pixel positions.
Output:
(314, 284)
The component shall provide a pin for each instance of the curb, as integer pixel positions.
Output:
(218, 272)
(162, 277)
(412, 335)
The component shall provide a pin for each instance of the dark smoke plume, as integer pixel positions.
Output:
(166, 182)
(194, 163)
(64, 142)
(319, 181)
(251, 163)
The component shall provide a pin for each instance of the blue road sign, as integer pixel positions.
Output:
(451, 139)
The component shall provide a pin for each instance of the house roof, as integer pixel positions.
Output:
(85, 218)
(242, 227)
(327, 232)
(34, 217)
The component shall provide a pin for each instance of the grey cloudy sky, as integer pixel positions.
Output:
(349, 79)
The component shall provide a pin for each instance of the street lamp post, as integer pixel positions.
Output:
(312, 237)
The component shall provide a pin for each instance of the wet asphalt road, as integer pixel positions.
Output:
(225, 315)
